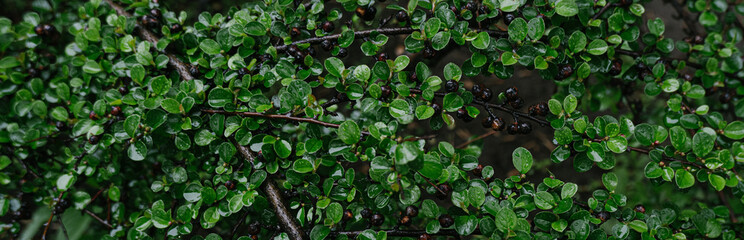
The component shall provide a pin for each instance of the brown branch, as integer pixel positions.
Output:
(606, 6)
(365, 33)
(176, 63)
(465, 144)
(275, 197)
(99, 219)
(728, 205)
(646, 151)
(404, 233)
(277, 116)
(431, 183)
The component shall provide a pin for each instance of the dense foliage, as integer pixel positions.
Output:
(123, 120)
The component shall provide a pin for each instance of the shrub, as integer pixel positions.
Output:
(294, 120)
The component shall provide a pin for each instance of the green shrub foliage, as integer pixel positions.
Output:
(292, 120)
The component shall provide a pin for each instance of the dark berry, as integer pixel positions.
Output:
(93, 116)
(725, 97)
(517, 103)
(509, 17)
(444, 190)
(115, 110)
(326, 45)
(61, 206)
(513, 129)
(405, 221)
(429, 52)
(175, 28)
(542, 109)
(381, 57)
(32, 73)
(310, 51)
(347, 215)
(486, 95)
(60, 125)
(295, 32)
(413, 77)
(469, 6)
(156, 13)
(639, 208)
(451, 86)
(244, 71)
(377, 219)
(525, 128)
(498, 124)
(230, 184)
(687, 77)
(564, 72)
(603, 216)
(123, 90)
(698, 39)
(342, 53)
(366, 213)
(402, 16)
(150, 22)
(94, 139)
(437, 108)
(511, 93)
(412, 211)
(477, 89)
(446, 220)
(45, 30)
(478, 170)
(366, 13)
(385, 91)
(463, 115)
(424, 237)
(328, 26)
(486, 122)
(194, 70)
(254, 228)
(616, 67)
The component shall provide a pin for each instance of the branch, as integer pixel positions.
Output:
(275, 197)
(99, 219)
(365, 33)
(176, 63)
(606, 6)
(277, 116)
(404, 233)
(465, 144)
(645, 151)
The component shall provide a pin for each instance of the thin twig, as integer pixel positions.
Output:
(365, 33)
(275, 197)
(277, 116)
(728, 205)
(432, 184)
(97, 218)
(646, 151)
(64, 229)
(404, 233)
(465, 144)
(606, 6)
(150, 37)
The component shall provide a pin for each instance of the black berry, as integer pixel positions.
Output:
(156, 13)
(525, 128)
(564, 72)
(444, 190)
(616, 67)
(511, 93)
(342, 53)
(486, 122)
(451, 86)
(254, 228)
(93, 116)
(478, 171)
(328, 26)
(115, 110)
(366, 13)
(639, 208)
(385, 91)
(366, 213)
(603, 216)
(94, 139)
(446, 220)
(498, 124)
(424, 237)
(486, 95)
(517, 103)
(509, 17)
(402, 16)
(377, 219)
(411, 211)
(230, 184)
(295, 32)
(513, 129)
(326, 45)
(347, 215)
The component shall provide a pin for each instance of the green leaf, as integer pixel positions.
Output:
(466, 225)
(518, 29)
(452, 72)
(424, 112)
(597, 47)
(219, 97)
(334, 66)
(431, 27)
(92, 67)
(210, 46)
(655, 26)
(522, 159)
(506, 219)
(555, 106)
(349, 132)
(577, 41)
(335, 212)
(638, 226)
(452, 102)
(570, 103)
(9, 62)
(536, 28)
(717, 181)
(566, 8)
(481, 41)
(303, 166)
(407, 152)
(610, 181)
(684, 179)
(282, 148)
(734, 130)
(703, 141)
(171, 105)
(569, 190)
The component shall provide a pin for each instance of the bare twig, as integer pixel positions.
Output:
(272, 192)
(277, 116)
(176, 63)
(465, 144)
(97, 218)
(725, 201)
(404, 233)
